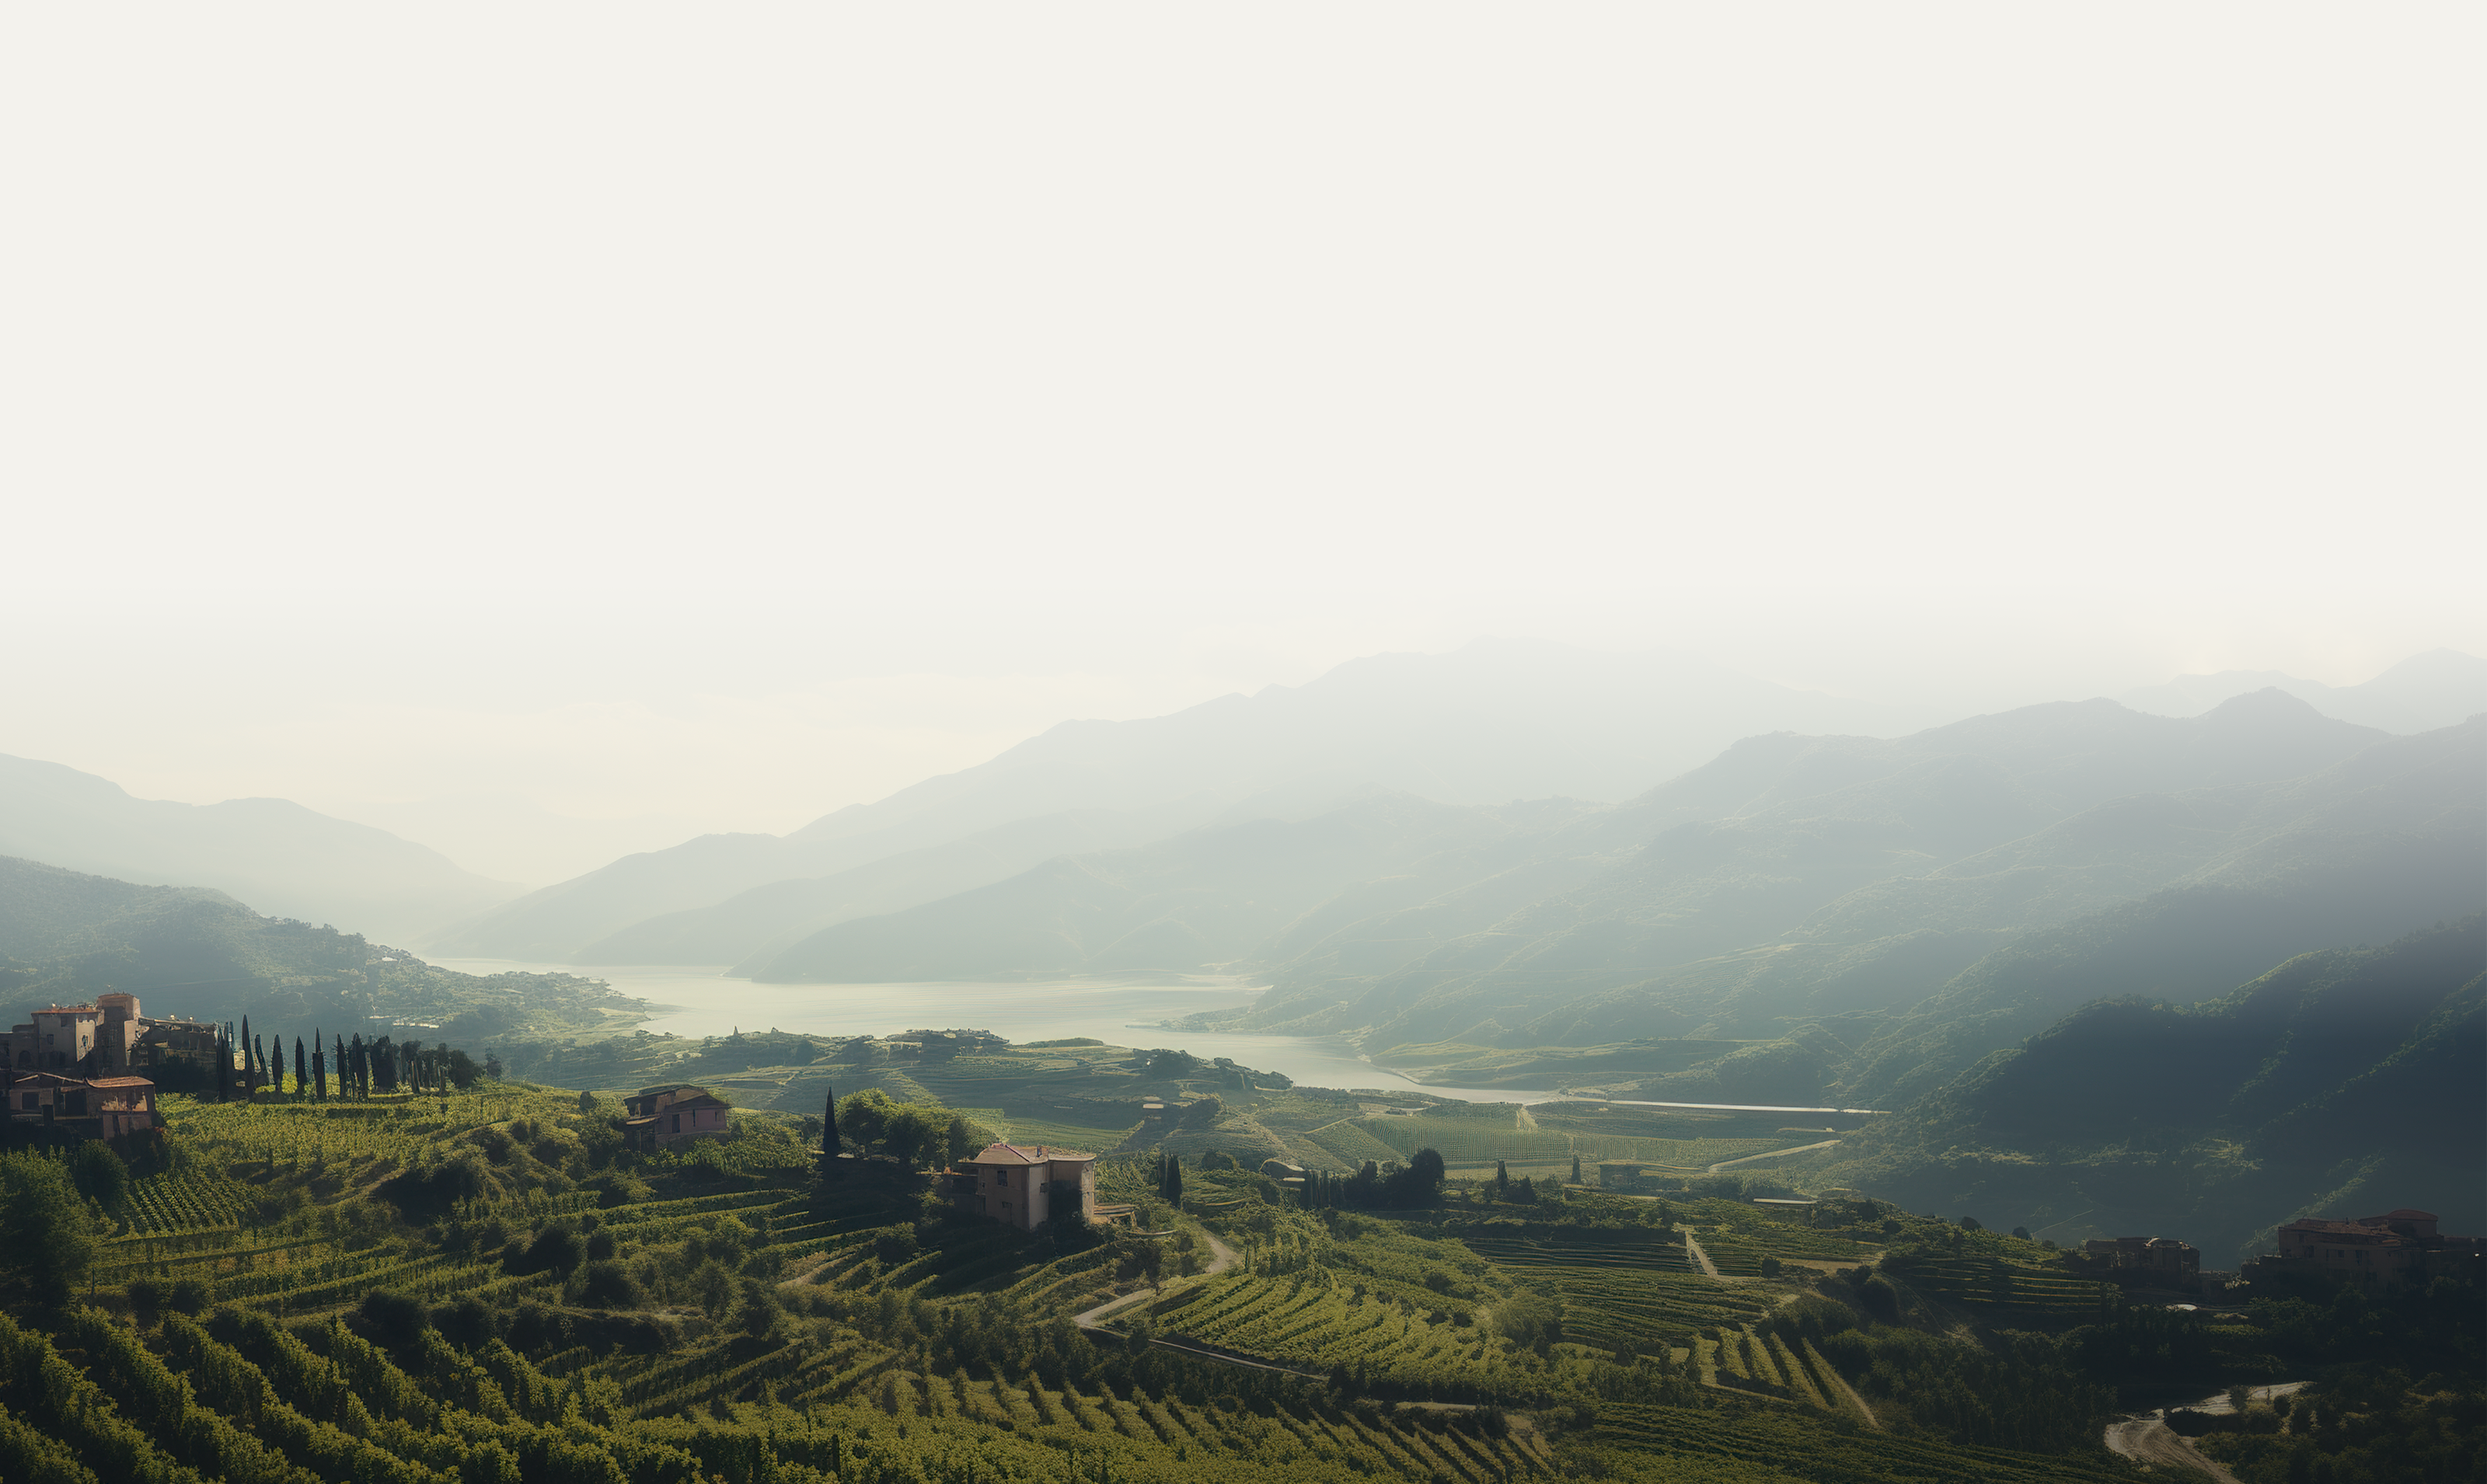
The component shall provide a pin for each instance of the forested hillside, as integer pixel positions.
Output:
(68, 937)
(2339, 1078)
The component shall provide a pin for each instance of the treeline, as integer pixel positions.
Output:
(351, 1066)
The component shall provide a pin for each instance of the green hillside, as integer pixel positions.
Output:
(2339, 1078)
(66, 937)
(486, 1284)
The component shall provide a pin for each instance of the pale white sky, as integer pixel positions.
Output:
(705, 417)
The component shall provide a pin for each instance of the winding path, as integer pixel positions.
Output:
(1221, 1258)
(1693, 1249)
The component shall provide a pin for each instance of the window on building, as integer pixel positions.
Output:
(1001, 1177)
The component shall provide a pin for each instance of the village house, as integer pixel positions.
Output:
(2145, 1259)
(1024, 1187)
(659, 1116)
(79, 1107)
(2370, 1251)
(111, 1037)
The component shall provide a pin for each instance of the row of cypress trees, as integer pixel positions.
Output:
(361, 1065)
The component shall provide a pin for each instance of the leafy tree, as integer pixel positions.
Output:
(864, 1116)
(100, 1175)
(916, 1134)
(48, 1236)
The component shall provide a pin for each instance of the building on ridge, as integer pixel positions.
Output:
(2144, 1259)
(1024, 1187)
(661, 1115)
(2370, 1251)
(111, 1037)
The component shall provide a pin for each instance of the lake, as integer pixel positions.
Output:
(1120, 1013)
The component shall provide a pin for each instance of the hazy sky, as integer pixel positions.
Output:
(702, 417)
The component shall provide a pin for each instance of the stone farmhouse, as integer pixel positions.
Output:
(80, 1071)
(111, 1037)
(2400, 1246)
(2145, 1259)
(1024, 1187)
(677, 1111)
(80, 1107)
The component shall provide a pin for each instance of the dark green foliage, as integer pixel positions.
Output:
(394, 1321)
(100, 1175)
(48, 1237)
(2362, 1423)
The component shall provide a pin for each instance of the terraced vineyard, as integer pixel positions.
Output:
(1321, 1321)
(1975, 1281)
(1625, 1295)
(1738, 1237)
(1790, 1446)
(185, 1201)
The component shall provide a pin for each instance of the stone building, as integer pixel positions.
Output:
(1024, 1187)
(659, 1116)
(111, 1037)
(79, 1107)
(2147, 1259)
(2371, 1250)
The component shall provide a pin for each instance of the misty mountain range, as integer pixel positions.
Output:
(283, 859)
(1799, 916)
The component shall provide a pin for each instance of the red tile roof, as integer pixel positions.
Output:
(1012, 1154)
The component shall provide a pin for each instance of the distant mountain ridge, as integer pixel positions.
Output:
(2424, 693)
(1858, 922)
(1491, 722)
(289, 860)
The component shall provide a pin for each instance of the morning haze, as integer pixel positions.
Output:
(1120, 745)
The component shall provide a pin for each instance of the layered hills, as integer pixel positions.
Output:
(1490, 723)
(2420, 693)
(1822, 918)
(2339, 1080)
(66, 937)
(290, 860)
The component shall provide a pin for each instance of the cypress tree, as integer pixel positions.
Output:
(319, 1065)
(1576, 1170)
(224, 1066)
(1501, 1180)
(829, 1125)
(249, 1072)
(1174, 1182)
(301, 1071)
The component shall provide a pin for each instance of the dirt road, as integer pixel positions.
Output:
(2149, 1441)
(1221, 1258)
(1694, 1251)
(1771, 1154)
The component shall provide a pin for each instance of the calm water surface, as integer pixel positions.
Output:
(697, 1002)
